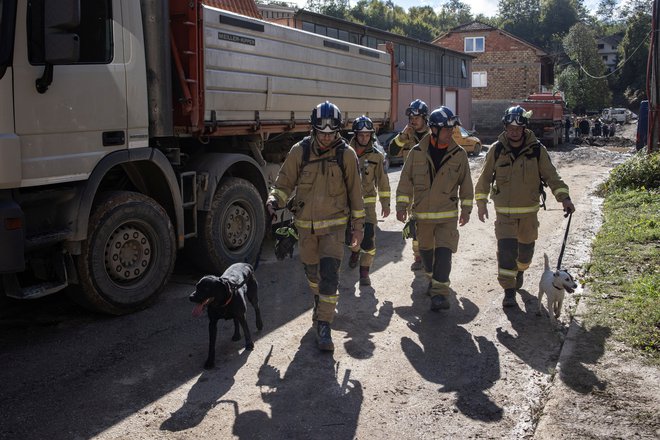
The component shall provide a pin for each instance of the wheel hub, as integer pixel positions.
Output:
(128, 254)
(238, 226)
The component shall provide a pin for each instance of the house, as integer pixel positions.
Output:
(608, 50)
(506, 68)
(434, 74)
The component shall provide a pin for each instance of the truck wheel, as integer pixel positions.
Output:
(128, 255)
(232, 231)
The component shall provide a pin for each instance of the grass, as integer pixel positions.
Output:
(624, 273)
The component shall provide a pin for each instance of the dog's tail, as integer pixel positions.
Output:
(547, 262)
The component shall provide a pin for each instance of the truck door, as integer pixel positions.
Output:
(82, 116)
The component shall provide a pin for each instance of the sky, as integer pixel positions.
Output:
(487, 7)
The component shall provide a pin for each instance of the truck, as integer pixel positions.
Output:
(547, 120)
(135, 131)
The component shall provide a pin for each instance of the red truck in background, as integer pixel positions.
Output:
(547, 118)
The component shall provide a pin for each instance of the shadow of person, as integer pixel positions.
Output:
(206, 392)
(534, 340)
(583, 347)
(448, 355)
(360, 317)
(309, 401)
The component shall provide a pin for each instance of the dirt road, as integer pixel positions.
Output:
(399, 370)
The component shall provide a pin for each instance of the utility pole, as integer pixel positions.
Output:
(654, 81)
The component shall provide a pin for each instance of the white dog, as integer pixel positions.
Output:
(554, 285)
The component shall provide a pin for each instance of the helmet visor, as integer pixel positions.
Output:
(515, 119)
(364, 125)
(326, 125)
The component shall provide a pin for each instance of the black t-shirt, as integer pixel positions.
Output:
(436, 156)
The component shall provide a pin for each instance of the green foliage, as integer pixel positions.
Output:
(642, 171)
(583, 81)
(634, 52)
(624, 274)
(556, 19)
(521, 18)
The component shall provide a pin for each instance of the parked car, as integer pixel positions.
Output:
(462, 137)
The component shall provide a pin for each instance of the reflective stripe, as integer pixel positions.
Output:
(507, 273)
(398, 142)
(517, 210)
(369, 200)
(370, 251)
(481, 196)
(358, 213)
(435, 283)
(312, 284)
(436, 215)
(404, 199)
(466, 202)
(562, 190)
(308, 224)
(522, 266)
(330, 299)
(382, 194)
(281, 195)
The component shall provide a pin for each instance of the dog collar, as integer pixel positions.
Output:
(558, 288)
(231, 295)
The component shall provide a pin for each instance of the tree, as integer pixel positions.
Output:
(520, 18)
(556, 18)
(583, 81)
(633, 52)
(332, 8)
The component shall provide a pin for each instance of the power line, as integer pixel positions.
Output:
(619, 66)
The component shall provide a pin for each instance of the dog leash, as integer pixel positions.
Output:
(563, 245)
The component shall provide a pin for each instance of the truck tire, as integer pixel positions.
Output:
(128, 255)
(232, 230)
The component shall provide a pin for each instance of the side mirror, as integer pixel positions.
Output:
(60, 45)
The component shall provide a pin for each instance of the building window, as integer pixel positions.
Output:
(605, 58)
(479, 79)
(463, 69)
(601, 46)
(474, 44)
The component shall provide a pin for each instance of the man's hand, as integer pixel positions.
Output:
(464, 218)
(356, 238)
(385, 212)
(271, 206)
(569, 208)
(482, 211)
(401, 216)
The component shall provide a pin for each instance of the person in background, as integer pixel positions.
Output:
(375, 184)
(411, 135)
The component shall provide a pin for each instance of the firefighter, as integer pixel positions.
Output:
(375, 184)
(436, 175)
(514, 171)
(322, 170)
(412, 133)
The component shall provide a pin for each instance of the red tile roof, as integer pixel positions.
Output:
(244, 7)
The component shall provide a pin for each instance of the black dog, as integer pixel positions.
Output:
(227, 297)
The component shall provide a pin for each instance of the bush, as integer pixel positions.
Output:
(642, 171)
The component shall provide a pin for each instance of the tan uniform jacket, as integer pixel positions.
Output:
(375, 183)
(406, 144)
(435, 196)
(516, 188)
(325, 199)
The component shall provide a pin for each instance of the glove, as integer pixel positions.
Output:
(569, 208)
(285, 240)
(410, 229)
(271, 207)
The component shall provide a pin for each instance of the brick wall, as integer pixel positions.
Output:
(513, 68)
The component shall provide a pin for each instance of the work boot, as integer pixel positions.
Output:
(520, 278)
(439, 302)
(417, 264)
(324, 337)
(509, 298)
(353, 261)
(364, 276)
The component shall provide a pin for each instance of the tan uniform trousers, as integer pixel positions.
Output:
(313, 247)
(432, 236)
(367, 248)
(516, 237)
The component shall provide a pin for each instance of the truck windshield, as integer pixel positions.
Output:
(7, 18)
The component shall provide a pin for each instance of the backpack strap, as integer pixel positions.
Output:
(306, 145)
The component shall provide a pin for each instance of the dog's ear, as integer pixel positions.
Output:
(556, 274)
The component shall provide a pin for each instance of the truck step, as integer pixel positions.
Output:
(37, 291)
(45, 240)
